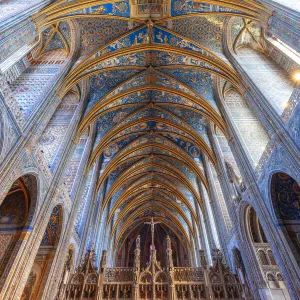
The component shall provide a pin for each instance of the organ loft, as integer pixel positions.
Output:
(149, 149)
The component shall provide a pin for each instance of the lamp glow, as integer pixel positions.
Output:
(297, 76)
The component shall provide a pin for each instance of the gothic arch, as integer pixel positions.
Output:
(251, 261)
(16, 215)
(260, 246)
(285, 195)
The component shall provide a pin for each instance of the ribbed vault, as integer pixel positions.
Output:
(152, 78)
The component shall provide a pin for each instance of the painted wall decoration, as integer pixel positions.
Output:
(226, 151)
(53, 228)
(160, 132)
(294, 124)
(31, 87)
(194, 119)
(272, 81)
(74, 164)
(8, 131)
(12, 41)
(29, 286)
(251, 130)
(222, 202)
(81, 217)
(54, 136)
(11, 8)
(13, 210)
(285, 192)
(280, 26)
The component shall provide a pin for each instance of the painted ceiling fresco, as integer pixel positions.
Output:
(151, 72)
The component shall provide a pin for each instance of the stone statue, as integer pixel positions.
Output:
(103, 260)
(236, 181)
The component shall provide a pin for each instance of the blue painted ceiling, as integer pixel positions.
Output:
(151, 73)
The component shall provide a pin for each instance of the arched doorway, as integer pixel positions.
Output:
(42, 264)
(285, 194)
(264, 256)
(16, 213)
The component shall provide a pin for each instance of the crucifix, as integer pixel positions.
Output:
(152, 261)
(152, 223)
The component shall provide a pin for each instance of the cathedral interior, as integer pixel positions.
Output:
(149, 149)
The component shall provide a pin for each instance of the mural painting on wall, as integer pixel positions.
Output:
(286, 194)
(50, 234)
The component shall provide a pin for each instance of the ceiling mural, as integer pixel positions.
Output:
(96, 33)
(152, 69)
(102, 83)
(205, 30)
(120, 8)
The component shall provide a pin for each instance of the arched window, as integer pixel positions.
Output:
(257, 233)
(262, 249)
(271, 258)
(262, 257)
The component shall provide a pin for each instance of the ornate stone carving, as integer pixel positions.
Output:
(153, 282)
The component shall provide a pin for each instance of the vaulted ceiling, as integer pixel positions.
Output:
(152, 69)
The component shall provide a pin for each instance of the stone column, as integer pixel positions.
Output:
(92, 208)
(208, 222)
(101, 218)
(208, 288)
(201, 231)
(137, 268)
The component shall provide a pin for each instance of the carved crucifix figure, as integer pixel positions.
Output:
(152, 223)
(153, 261)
